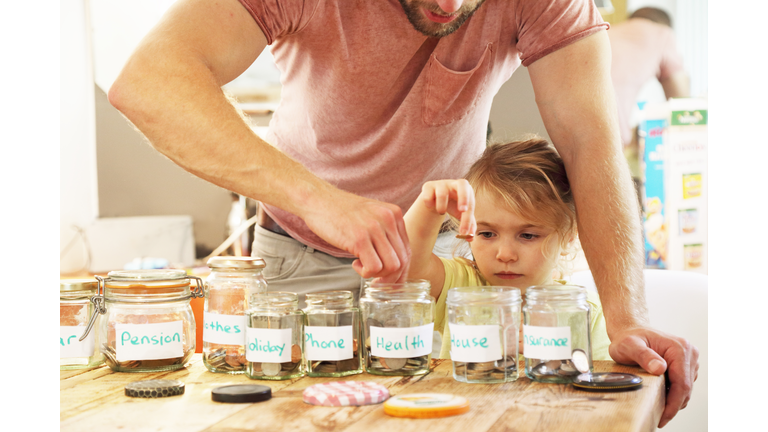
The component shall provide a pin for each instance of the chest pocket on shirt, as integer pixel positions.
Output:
(450, 95)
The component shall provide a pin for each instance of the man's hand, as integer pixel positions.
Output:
(659, 352)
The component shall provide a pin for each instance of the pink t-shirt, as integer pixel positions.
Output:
(377, 109)
(641, 50)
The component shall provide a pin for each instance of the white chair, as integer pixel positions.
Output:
(677, 304)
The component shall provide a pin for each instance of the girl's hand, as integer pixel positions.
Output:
(455, 197)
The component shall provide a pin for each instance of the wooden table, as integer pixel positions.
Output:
(94, 400)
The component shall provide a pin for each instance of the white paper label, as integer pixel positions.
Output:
(268, 345)
(475, 343)
(71, 345)
(405, 342)
(550, 343)
(224, 329)
(149, 341)
(328, 343)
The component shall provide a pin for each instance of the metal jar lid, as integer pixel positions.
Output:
(236, 263)
(73, 285)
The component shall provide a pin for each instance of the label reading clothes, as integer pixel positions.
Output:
(224, 329)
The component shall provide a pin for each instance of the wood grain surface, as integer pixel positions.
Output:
(94, 400)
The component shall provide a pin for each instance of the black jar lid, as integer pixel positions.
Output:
(607, 381)
(241, 393)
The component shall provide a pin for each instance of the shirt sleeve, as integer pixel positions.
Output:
(545, 26)
(280, 17)
(671, 59)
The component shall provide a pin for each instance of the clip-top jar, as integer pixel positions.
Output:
(274, 336)
(484, 331)
(398, 321)
(148, 324)
(557, 344)
(331, 334)
(75, 308)
(227, 288)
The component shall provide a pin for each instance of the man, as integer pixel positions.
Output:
(379, 97)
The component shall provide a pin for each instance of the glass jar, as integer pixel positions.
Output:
(274, 336)
(484, 327)
(332, 334)
(398, 321)
(148, 324)
(556, 337)
(227, 288)
(75, 308)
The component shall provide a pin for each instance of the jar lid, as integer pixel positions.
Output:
(426, 405)
(147, 275)
(154, 388)
(607, 381)
(236, 263)
(345, 393)
(71, 285)
(241, 393)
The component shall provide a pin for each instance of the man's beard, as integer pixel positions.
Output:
(430, 28)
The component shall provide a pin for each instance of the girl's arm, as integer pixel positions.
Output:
(423, 221)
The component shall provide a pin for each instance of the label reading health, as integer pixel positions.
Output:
(328, 343)
(149, 341)
(268, 345)
(224, 329)
(475, 343)
(70, 345)
(551, 343)
(401, 342)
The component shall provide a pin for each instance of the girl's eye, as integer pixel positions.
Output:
(485, 234)
(528, 236)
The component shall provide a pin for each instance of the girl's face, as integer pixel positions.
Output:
(508, 249)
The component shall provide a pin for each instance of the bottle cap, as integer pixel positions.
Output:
(426, 405)
(241, 393)
(607, 381)
(154, 388)
(345, 393)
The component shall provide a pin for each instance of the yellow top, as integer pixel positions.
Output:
(460, 273)
(426, 405)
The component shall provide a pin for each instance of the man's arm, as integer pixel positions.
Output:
(575, 97)
(170, 89)
(676, 85)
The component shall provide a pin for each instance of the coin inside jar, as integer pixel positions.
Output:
(392, 363)
(580, 360)
(295, 353)
(271, 369)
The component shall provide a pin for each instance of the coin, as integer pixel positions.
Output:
(233, 361)
(295, 353)
(392, 363)
(354, 345)
(485, 366)
(271, 369)
(553, 364)
(465, 237)
(580, 360)
(542, 370)
(288, 366)
(567, 369)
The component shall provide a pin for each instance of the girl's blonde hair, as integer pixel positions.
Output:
(528, 178)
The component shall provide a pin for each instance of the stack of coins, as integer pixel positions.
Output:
(486, 372)
(279, 369)
(110, 358)
(562, 370)
(329, 366)
(222, 359)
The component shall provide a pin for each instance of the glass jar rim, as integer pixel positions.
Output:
(555, 292)
(274, 299)
(236, 263)
(154, 275)
(411, 284)
(73, 285)
(483, 294)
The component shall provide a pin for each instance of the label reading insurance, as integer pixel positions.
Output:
(223, 329)
(268, 345)
(405, 342)
(551, 343)
(70, 344)
(149, 341)
(475, 343)
(328, 343)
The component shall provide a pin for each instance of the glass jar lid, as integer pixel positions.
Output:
(236, 263)
(73, 285)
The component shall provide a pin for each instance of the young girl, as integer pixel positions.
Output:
(516, 209)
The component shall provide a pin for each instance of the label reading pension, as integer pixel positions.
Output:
(70, 345)
(328, 343)
(149, 341)
(401, 342)
(224, 329)
(268, 345)
(551, 343)
(475, 343)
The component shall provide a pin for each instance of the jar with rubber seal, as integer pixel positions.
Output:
(227, 289)
(556, 337)
(274, 336)
(148, 324)
(398, 324)
(331, 335)
(75, 308)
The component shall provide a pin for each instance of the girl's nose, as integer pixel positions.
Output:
(506, 254)
(450, 6)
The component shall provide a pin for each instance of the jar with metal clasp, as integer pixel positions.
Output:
(148, 324)
(75, 308)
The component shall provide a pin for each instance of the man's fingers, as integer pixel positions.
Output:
(634, 350)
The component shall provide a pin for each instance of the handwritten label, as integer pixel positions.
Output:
(328, 343)
(149, 341)
(405, 342)
(551, 343)
(268, 345)
(224, 329)
(475, 343)
(71, 347)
